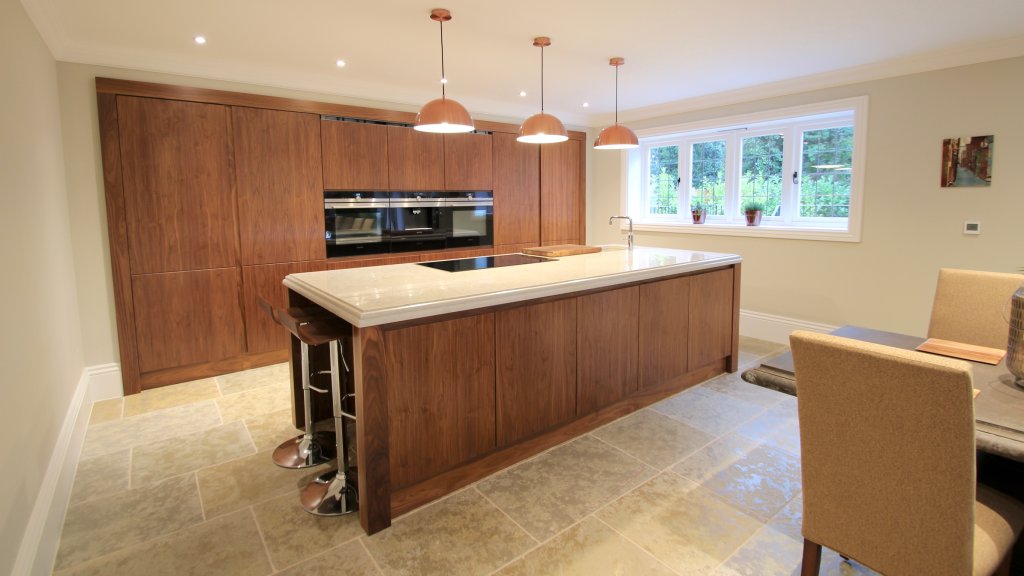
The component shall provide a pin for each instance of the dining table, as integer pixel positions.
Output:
(998, 405)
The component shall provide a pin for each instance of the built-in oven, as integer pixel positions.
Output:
(415, 221)
(355, 223)
(469, 218)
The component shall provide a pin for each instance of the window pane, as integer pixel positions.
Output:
(825, 172)
(664, 180)
(762, 172)
(708, 183)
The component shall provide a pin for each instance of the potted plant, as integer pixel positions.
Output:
(753, 210)
(699, 212)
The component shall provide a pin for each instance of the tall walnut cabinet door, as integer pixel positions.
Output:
(280, 185)
(536, 368)
(711, 315)
(607, 340)
(355, 155)
(467, 162)
(264, 282)
(560, 193)
(440, 396)
(415, 159)
(664, 331)
(178, 192)
(516, 191)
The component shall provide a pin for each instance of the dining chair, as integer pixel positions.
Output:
(887, 458)
(969, 306)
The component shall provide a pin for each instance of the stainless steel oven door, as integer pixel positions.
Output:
(470, 219)
(355, 223)
(414, 221)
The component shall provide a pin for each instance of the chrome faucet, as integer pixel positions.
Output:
(629, 239)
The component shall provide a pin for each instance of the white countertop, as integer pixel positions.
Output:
(384, 294)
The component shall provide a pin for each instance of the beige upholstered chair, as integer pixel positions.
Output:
(968, 306)
(887, 455)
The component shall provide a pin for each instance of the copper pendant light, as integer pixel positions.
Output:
(443, 115)
(542, 128)
(617, 136)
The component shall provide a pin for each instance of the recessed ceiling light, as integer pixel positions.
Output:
(340, 63)
(586, 104)
(200, 40)
(522, 92)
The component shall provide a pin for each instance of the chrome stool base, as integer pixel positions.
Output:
(302, 452)
(329, 494)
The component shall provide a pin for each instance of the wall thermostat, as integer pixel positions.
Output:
(972, 227)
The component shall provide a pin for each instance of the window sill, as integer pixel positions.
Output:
(762, 231)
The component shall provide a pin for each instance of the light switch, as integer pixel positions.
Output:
(972, 227)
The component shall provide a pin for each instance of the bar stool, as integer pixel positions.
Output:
(312, 327)
(334, 492)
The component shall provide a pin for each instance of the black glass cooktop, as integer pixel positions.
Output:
(463, 264)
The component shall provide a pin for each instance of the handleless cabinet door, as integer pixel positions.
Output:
(355, 155)
(559, 193)
(178, 192)
(711, 311)
(280, 185)
(415, 159)
(467, 162)
(536, 368)
(608, 345)
(664, 331)
(264, 282)
(516, 191)
(185, 318)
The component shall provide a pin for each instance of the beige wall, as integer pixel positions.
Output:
(41, 351)
(912, 227)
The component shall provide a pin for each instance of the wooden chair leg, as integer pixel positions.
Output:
(812, 559)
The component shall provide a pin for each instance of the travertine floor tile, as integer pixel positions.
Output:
(170, 396)
(227, 546)
(165, 458)
(654, 438)
(752, 351)
(761, 483)
(104, 525)
(707, 410)
(249, 480)
(100, 476)
(349, 559)
(127, 432)
(734, 385)
(768, 553)
(680, 523)
(269, 430)
(587, 548)
(778, 427)
(551, 492)
(293, 535)
(462, 534)
(275, 374)
(789, 520)
(715, 457)
(255, 402)
(106, 410)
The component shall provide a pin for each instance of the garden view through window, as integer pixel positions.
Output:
(798, 170)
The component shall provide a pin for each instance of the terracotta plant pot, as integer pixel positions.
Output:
(699, 216)
(753, 217)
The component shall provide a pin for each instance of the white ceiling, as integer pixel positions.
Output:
(680, 54)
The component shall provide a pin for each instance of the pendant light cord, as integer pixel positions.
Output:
(542, 79)
(616, 95)
(444, 79)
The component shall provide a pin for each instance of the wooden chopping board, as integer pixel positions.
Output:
(963, 351)
(559, 250)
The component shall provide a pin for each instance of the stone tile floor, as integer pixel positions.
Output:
(179, 480)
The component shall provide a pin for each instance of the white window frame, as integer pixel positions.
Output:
(792, 122)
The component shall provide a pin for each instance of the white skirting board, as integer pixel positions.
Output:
(39, 544)
(776, 328)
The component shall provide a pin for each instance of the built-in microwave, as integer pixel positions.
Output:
(469, 218)
(415, 221)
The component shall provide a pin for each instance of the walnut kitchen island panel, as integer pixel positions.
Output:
(460, 374)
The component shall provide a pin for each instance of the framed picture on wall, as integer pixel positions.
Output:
(967, 161)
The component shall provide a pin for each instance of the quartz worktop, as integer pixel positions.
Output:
(384, 294)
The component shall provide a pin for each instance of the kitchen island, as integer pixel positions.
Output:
(460, 374)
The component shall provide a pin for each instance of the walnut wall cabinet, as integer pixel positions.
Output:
(213, 197)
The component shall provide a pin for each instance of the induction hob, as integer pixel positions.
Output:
(464, 264)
